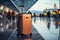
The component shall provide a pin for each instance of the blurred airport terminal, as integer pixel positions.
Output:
(20, 21)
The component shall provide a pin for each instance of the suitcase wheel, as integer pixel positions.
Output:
(17, 35)
(31, 35)
(21, 35)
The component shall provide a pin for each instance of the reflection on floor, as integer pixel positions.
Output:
(48, 28)
(6, 36)
(42, 29)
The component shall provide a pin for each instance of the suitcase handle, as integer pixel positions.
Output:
(27, 17)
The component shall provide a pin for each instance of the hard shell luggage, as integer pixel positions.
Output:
(25, 24)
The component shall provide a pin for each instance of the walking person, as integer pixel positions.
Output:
(48, 15)
(9, 16)
(13, 16)
(34, 17)
(48, 19)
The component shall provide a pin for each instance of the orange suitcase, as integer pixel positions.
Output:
(25, 23)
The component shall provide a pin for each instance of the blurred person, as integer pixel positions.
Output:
(40, 16)
(9, 16)
(59, 13)
(1, 15)
(13, 16)
(56, 20)
(56, 24)
(48, 26)
(56, 17)
(48, 14)
(8, 20)
(34, 17)
(48, 19)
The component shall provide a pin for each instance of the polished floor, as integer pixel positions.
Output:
(10, 33)
(42, 29)
(7, 36)
(48, 28)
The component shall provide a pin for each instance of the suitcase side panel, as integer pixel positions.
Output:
(27, 24)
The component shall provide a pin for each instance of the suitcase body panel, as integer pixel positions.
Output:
(25, 24)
